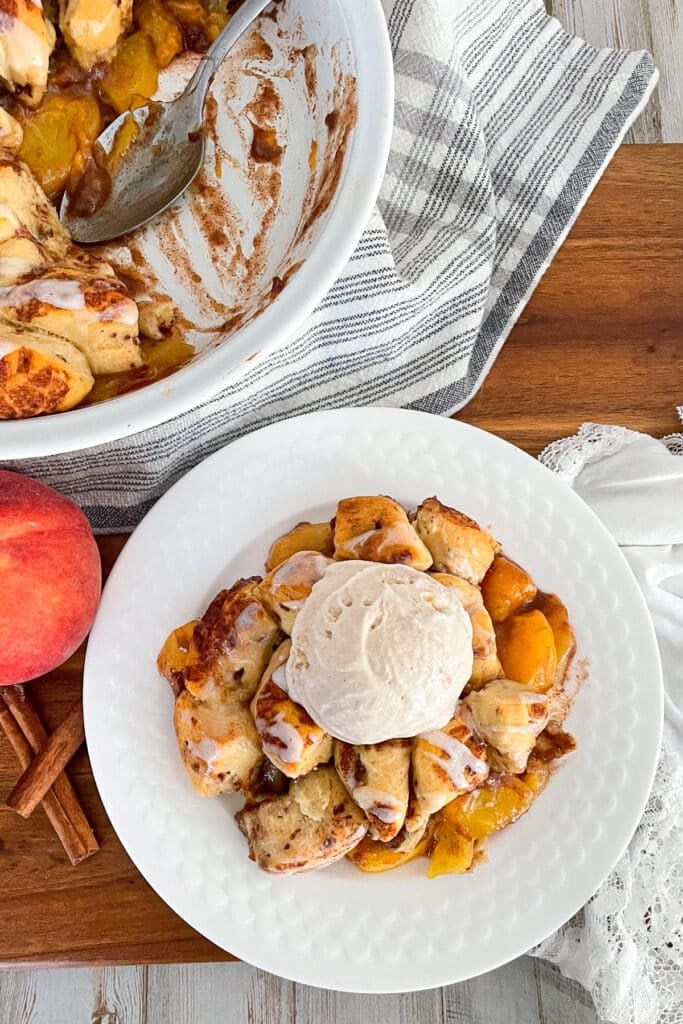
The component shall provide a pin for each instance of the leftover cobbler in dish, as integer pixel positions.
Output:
(66, 71)
(393, 687)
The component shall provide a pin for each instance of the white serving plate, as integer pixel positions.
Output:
(219, 251)
(340, 928)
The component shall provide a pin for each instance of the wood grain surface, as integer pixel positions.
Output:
(654, 25)
(601, 339)
(523, 992)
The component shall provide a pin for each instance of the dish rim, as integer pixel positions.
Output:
(348, 215)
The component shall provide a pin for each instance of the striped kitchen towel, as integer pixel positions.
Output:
(503, 125)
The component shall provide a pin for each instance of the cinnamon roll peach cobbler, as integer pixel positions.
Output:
(66, 71)
(393, 687)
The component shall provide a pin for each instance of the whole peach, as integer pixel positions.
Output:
(50, 578)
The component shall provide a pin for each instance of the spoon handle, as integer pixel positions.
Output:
(199, 84)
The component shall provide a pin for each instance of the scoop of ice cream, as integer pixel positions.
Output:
(379, 652)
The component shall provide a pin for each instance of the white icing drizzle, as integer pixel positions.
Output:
(454, 758)
(207, 750)
(293, 606)
(247, 617)
(391, 535)
(372, 800)
(310, 564)
(124, 311)
(57, 292)
(278, 728)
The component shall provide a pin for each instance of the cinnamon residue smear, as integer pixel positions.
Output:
(309, 54)
(218, 255)
(340, 123)
(210, 120)
(280, 282)
(264, 146)
(563, 696)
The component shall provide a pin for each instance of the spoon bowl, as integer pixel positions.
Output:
(165, 154)
(160, 166)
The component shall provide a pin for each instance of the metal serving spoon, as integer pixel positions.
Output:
(166, 154)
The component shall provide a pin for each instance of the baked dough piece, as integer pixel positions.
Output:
(92, 28)
(446, 763)
(289, 736)
(27, 39)
(302, 537)
(285, 588)
(509, 716)
(457, 544)
(218, 744)
(377, 777)
(377, 529)
(11, 132)
(486, 664)
(231, 644)
(39, 374)
(172, 658)
(311, 826)
(91, 310)
(27, 212)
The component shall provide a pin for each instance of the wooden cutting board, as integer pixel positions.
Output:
(601, 339)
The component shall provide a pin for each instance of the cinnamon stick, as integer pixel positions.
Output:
(56, 815)
(48, 764)
(27, 719)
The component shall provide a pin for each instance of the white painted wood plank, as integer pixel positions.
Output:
(270, 999)
(506, 996)
(315, 1006)
(229, 993)
(194, 993)
(422, 1007)
(561, 999)
(650, 25)
(46, 997)
(118, 996)
(666, 24)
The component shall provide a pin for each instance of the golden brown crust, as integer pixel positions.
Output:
(486, 664)
(376, 528)
(377, 778)
(457, 543)
(289, 736)
(172, 658)
(445, 763)
(304, 536)
(509, 716)
(218, 744)
(36, 379)
(551, 744)
(286, 587)
(312, 825)
(232, 643)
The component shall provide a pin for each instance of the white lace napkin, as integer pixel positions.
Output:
(626, 945)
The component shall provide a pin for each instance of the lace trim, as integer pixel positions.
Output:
(626, 945)
(595, 441)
